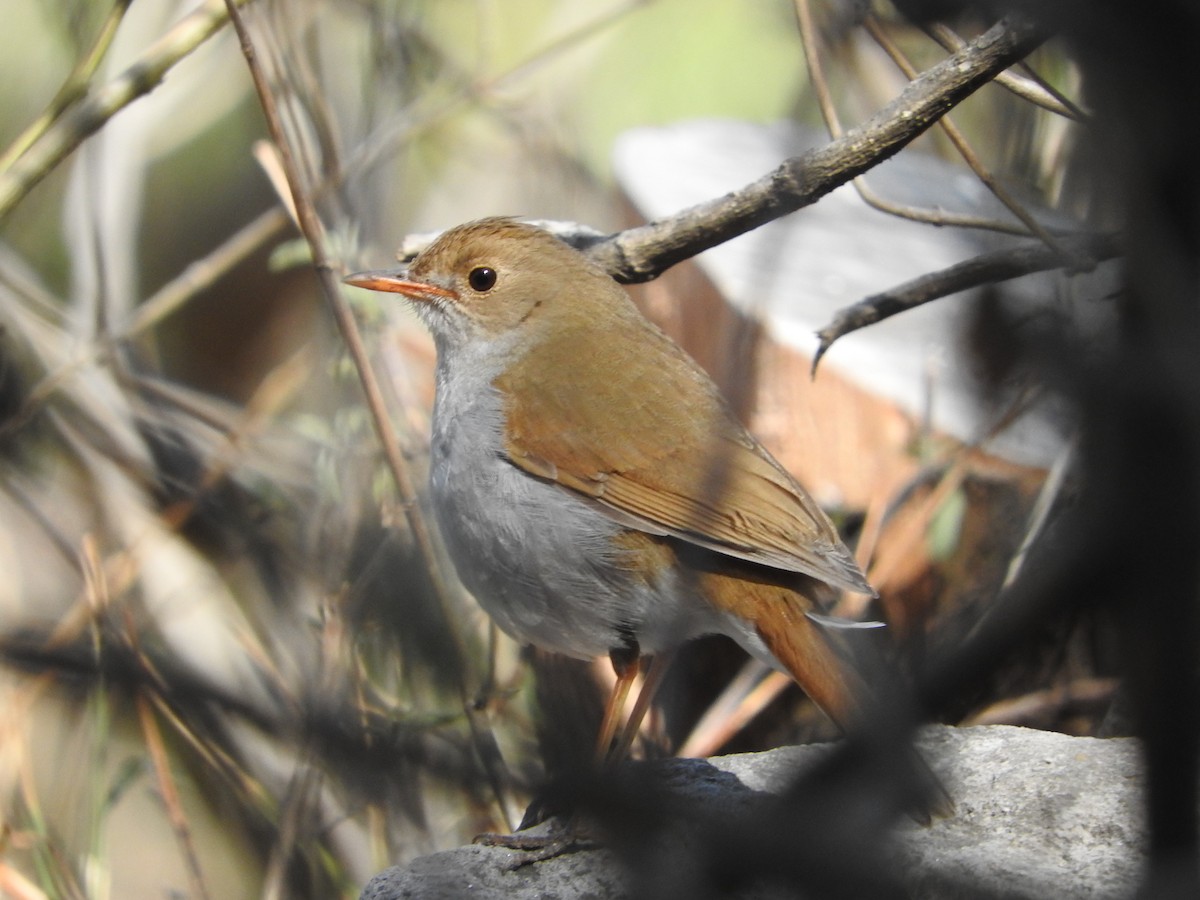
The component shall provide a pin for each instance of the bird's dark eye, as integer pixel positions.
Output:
(482, 278)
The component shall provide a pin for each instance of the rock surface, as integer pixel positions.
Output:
(1038, 815)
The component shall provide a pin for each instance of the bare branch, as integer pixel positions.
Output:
(968, 154)
(90, 114)
(198, 276)
(640, 254)
(820, 85)
(1032, 87)
(314, 234)
(72, 88)
(1000, 265)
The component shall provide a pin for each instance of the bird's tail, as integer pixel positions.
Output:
(802, 646)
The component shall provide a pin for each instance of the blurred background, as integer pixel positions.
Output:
(229, 667)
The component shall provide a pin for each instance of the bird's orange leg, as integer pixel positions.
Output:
(625, 663)
(659, 664)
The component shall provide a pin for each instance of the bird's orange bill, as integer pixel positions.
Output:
(397, 282)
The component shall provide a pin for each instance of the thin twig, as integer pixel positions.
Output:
(963, 146)
(204, 273)
(437, 109)
(314, 233)
(278, 387)
(1039, 516)
(299, 804)
(743, 698)
(198, 276)
(640, 254)
(90, 114)
(1034, 88)
(170, 795)
(816, 73)
(1000, 265)
(1076, 111)
(1034, 707)
(73, 87)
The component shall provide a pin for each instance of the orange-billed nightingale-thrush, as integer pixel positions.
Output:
(595, 492)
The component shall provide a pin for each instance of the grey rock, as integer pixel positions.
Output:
(1038, 815)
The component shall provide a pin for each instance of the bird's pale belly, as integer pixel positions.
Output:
(544, 564)
(540, 562)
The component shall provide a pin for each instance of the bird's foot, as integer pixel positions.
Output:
(559, 838)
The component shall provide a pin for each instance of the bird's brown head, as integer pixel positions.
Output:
(488, 279)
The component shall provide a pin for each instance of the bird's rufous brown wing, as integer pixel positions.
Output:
(650, 439)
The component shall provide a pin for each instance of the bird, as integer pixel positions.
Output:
(595, 492)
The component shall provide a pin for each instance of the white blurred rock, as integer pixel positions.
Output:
(794, 273)
(1039, 814)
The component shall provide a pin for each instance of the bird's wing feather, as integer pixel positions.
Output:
(689, 469)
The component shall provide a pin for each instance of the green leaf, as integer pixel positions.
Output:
(945, 528)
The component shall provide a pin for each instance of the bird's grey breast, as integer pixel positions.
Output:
(541, 561)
